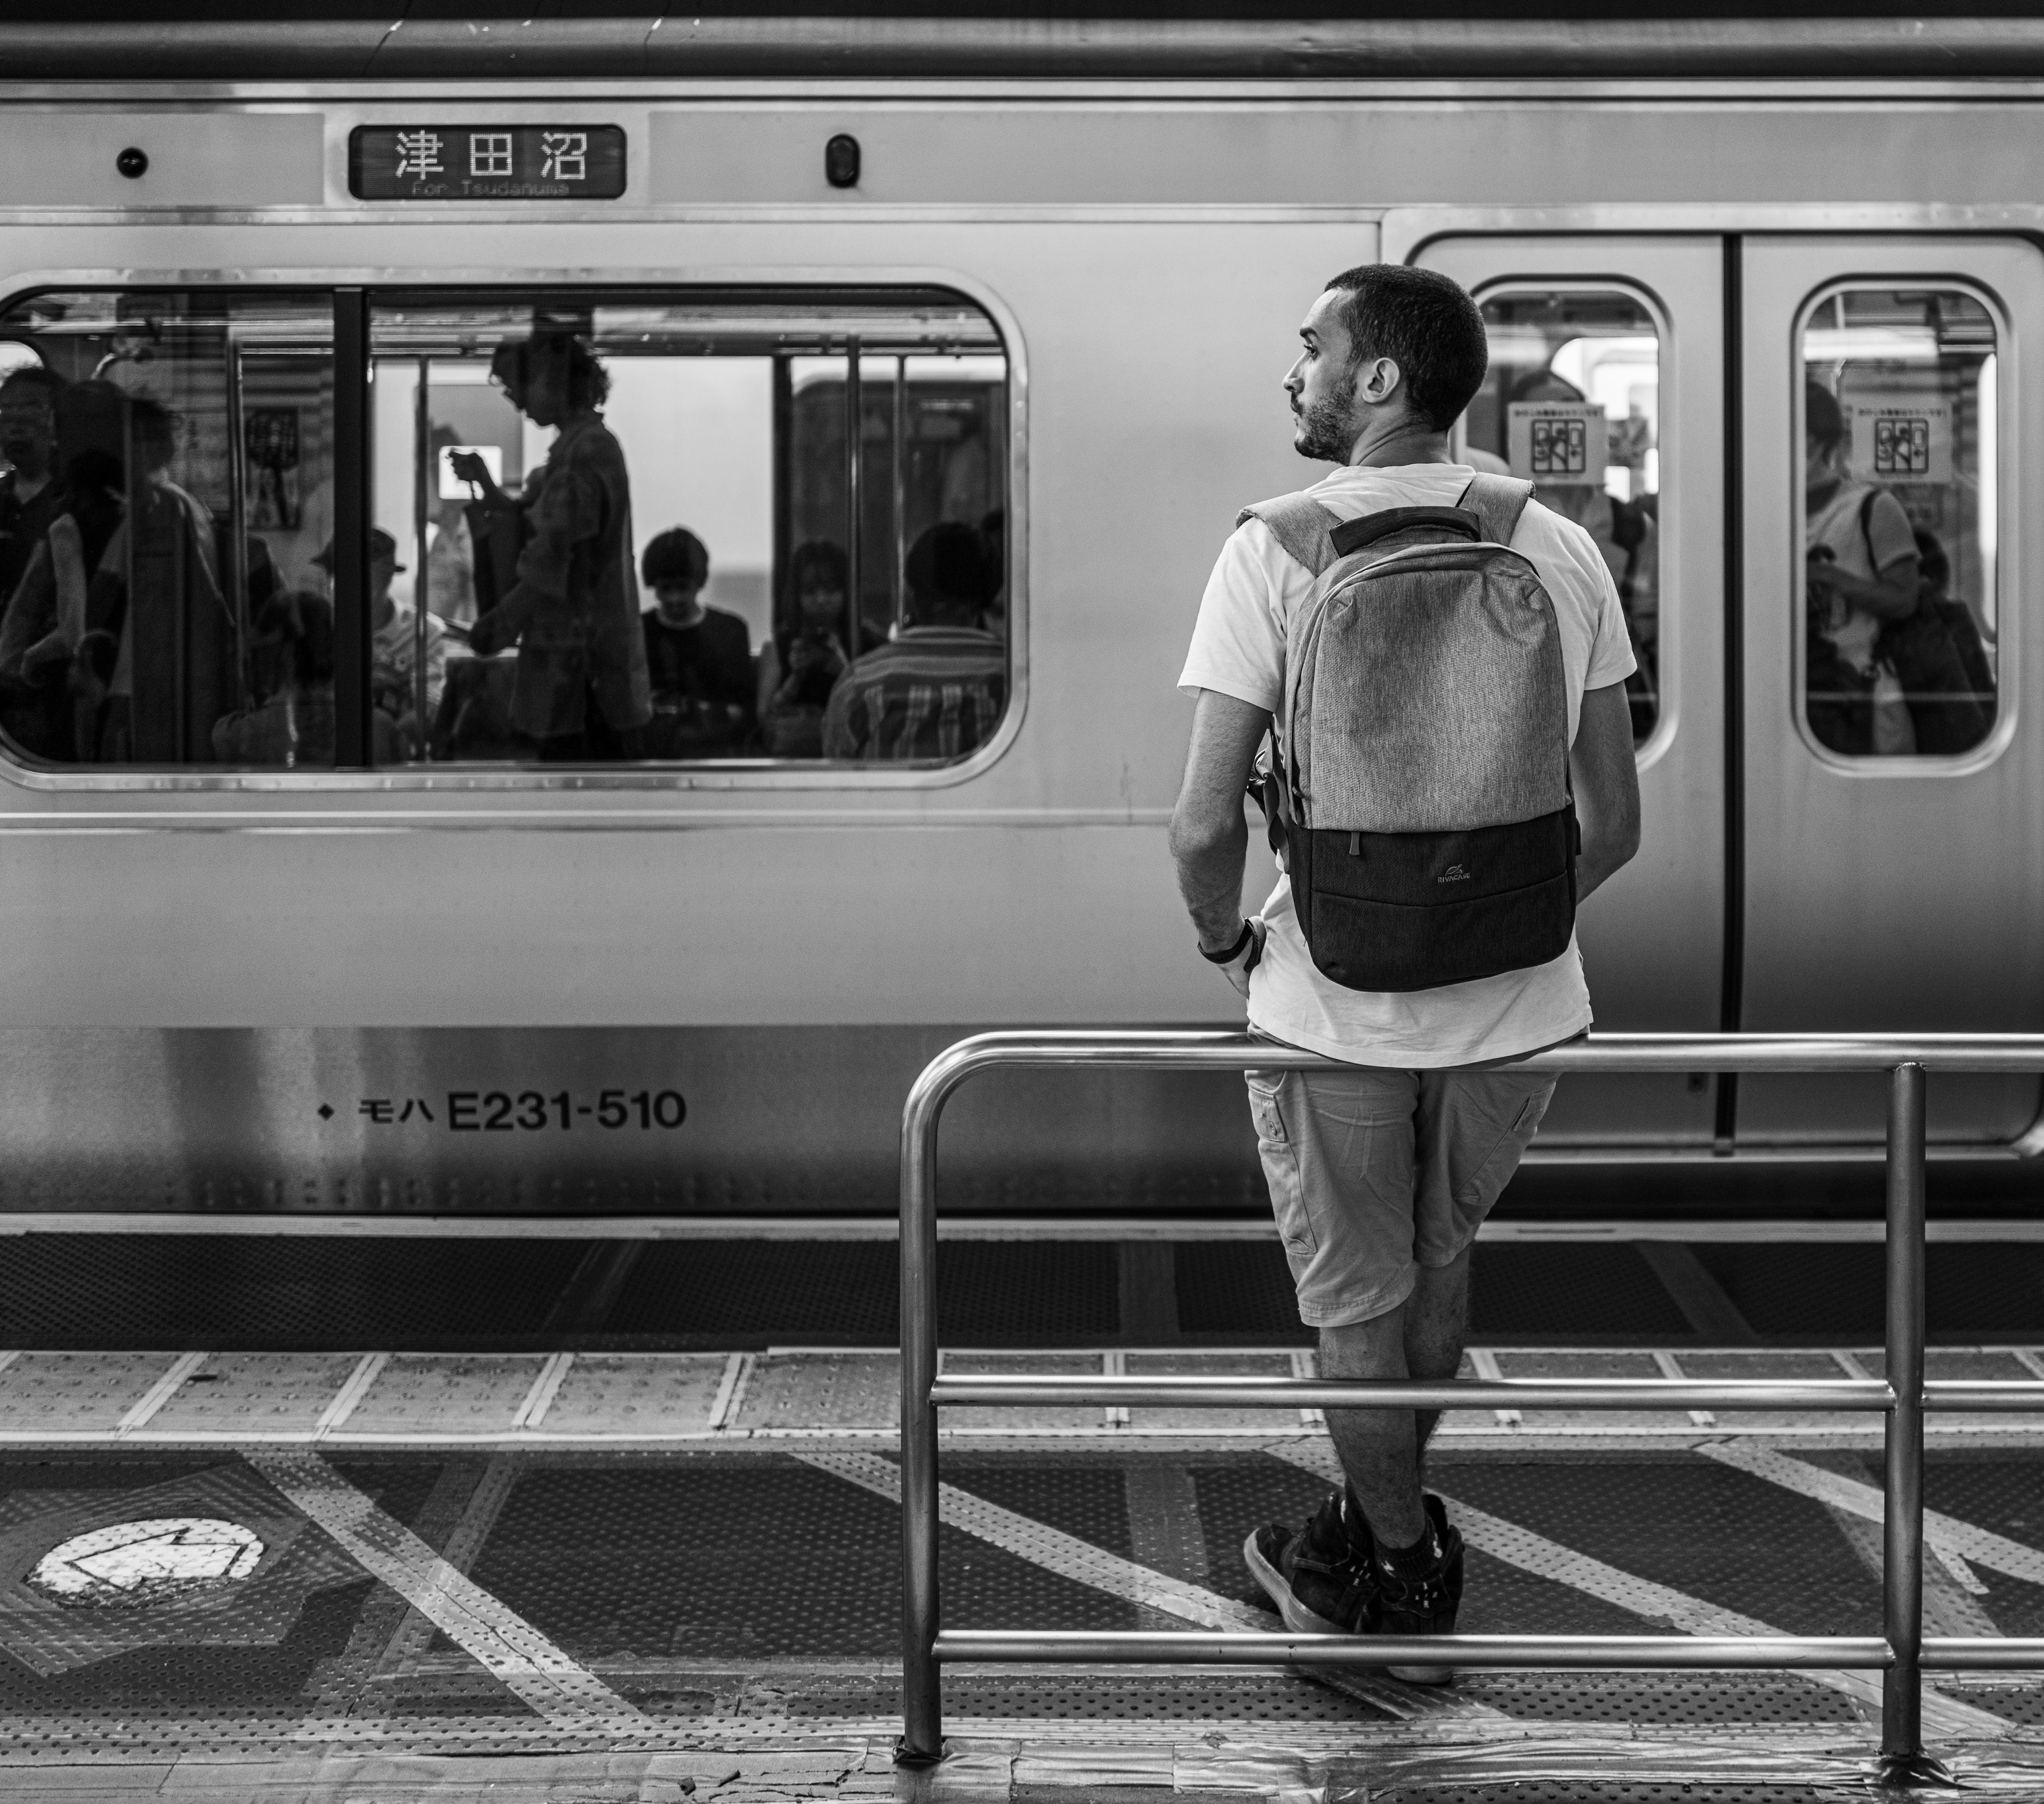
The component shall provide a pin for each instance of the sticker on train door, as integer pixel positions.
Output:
(1558, 442)
(1905, 440)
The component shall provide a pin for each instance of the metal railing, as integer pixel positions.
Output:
(1901, 1653)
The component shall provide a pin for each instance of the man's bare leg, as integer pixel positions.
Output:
(1380, 1450)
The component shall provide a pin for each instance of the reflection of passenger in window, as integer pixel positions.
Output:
(581, 688)
(45, 617)
(807, 656)
(290, 659)
(699, 657)
(937, 690)
(1861, 559)
(1628, 537)
(155, 668)
(29, 447)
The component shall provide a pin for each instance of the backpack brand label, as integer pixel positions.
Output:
(1454, 873)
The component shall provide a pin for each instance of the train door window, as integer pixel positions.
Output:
(1900, 606)
(163, 517)
(688, 527)
(1571, 402)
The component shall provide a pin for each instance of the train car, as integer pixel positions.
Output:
(388, 932)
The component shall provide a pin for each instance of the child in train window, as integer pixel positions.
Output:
(699, 658)
(807, 656)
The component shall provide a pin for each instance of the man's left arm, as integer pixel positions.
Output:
(1209, 834)
(1606, 779)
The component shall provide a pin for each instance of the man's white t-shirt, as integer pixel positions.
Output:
(1238, 649)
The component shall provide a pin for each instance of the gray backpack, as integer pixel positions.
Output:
(1419, 794)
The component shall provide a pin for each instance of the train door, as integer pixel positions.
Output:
(1607, 388)
(1893, 749)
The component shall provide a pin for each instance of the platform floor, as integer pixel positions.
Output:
(599, 1575)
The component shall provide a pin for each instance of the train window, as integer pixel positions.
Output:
(700, 526)
(1571, 401)
(690, 527)
(168, 493)
(1900, 604)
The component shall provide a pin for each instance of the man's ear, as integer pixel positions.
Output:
(1376, 381)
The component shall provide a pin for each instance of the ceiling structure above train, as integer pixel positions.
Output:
(331, 40)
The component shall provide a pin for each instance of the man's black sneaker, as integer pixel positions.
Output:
(1423, 1603)
(1322, 1579)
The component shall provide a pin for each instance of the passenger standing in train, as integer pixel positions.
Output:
(581, 689)
(156, 667)
(936, 691)
(699, 657)
(449, 546)
(1380, 1175)
(1861, 562)
(806, 656)
(1629, 541)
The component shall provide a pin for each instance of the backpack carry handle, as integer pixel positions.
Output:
(1353, 535)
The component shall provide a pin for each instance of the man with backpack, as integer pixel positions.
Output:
(1451, 771)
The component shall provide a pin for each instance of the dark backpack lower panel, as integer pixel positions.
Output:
(1401, 912)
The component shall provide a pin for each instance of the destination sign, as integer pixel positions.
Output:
(486, 163)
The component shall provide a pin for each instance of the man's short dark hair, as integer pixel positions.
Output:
(677, 555)
(946, 570)
(1426, 325)
(35, 376)
(1823, 419)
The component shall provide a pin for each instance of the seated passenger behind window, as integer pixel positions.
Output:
(698, 659)
(291, 664)
(994, 542)
(807, 655)
(581, 688)
(1626, 535)
(156, 666)
(936, 691)
(393, 646)
(1862, 565)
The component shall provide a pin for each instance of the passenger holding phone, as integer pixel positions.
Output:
(582, 689)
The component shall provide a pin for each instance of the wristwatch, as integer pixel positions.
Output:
(1246, 938)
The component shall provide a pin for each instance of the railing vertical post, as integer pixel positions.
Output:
(1902, 1757)
(922, 1697)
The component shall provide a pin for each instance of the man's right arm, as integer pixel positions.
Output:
(1209, 833)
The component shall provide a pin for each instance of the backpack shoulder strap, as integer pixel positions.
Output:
(1302, 527)
(1497, 501)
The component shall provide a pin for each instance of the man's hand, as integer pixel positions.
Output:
(1237, 970)
(1209, 837)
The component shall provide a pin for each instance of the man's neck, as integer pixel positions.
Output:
(1819, 494)
(27, 486)
(1401, 441)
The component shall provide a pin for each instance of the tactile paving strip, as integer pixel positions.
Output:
(640, 1393)
(60, 1393)
(795, 1391)
(254, 1395)
(450, 1393)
